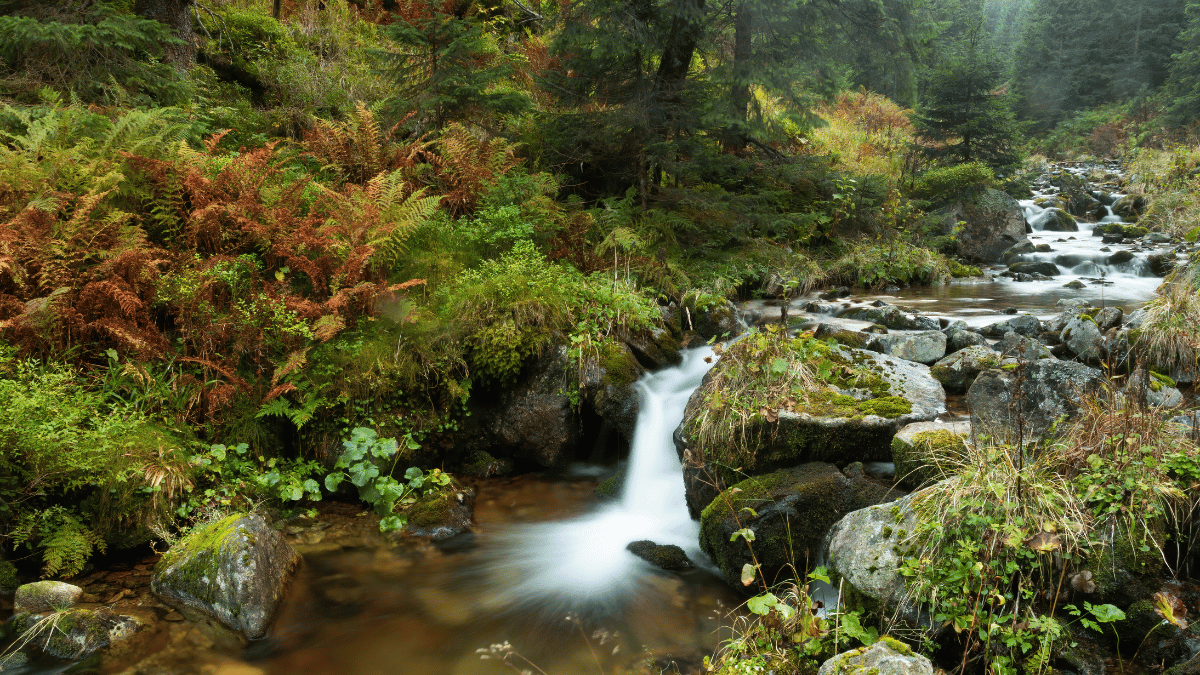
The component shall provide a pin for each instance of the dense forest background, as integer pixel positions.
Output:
(260, 224)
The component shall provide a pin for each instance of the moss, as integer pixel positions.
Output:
(1086, 317)
(912, 460)
(478, 463)
(961, 271)
(1008, 366)
(8, 576)
(610, 488)
(1164, 380)
(433, 509)
(620, 366)
(896, 645)
(203, 546)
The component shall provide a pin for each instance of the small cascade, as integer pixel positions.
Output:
(581, 564)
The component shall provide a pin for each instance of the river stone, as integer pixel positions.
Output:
(1023, 324)
(45, 596)
(664, 556)
(1082, 336)
(844, 336)
(912, 445)
(1118, 258)
(78, 632)
(1020, 249)
(1161, 264)
(1164, 397)
(1013, 346)
(960, 340)
(802, 437)
(442, 513)
(607, 383)
(885, 657)
(927, 347)
(654, 348)
(791, 512)
(1109, 317)
(1130, 207)
(992, 223)
(234, 570)
(1054, 220)
(888, 316)
(1058, 322)
(1048, 387)
(954, 326)
(957, 371)
(1044, 268)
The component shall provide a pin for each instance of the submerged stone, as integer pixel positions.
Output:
(665, 556)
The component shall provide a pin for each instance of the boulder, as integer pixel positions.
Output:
(75, 633)
(913, 445)
(1054, 220)
(1013, 346)
(1045, 268)
(1118, 258)
(992, 222)
(233, 571)
(885, 657)
(664, 556)
(888, 316)
(1130, 207)
(606, 381)
(1048, 388)
(654, 348)
(844, 336)
(45, 596)
(717, 322)
(442, 513)
(856, 424)
(1057, 323)
(1023, 324)
(927, 347)
(960, 340)
(1083, 337)
(1161, 264)
(957, 371)
(790, 512)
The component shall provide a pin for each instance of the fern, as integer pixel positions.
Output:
(66, 544)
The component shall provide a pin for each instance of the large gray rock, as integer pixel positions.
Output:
(992, 222)
(790, 512)
(957, 371)
(1082, 336)
(915, 445)
(1047, 389)
(1054, 220)
(1044, 268)
(816, 433)
(961, 339)
(867, 547)
(927, 347)
(1131, 207)
(234, 570)
(1022, 324)
(1013, 346)
(45, 596)
(886, 657)
(889, 316)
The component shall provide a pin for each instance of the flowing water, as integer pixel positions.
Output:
(561, 591)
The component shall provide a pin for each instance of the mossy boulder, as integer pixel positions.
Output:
(1022, 324)
(610, 488)
(664, 556)
(1045, 268)
(1054, 220)
(1126, 230)
(233, 571)
(45, 596)
(886, 657)
(1131, 207)
(958, 340)
(843, 336)
(1083, 337)
(481, 463)
(654, 348)
(75, 633)
(916, 445)
(1118, 258)
(442, 513)
(789, 511)
(852, 426)
(958, 371)
(987, 222)
(1047, 389)
(889, 316)
(703, 321)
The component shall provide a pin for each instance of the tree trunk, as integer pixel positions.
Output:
(177, 15)
(739, 89)
(275, 8)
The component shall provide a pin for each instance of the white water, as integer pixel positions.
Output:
(581, 564)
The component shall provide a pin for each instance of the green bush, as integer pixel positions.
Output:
(943, 182)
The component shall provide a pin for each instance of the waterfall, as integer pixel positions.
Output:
(581, 564)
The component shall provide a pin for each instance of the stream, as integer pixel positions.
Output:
(544, 583)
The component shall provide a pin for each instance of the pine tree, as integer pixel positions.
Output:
(1184, 84)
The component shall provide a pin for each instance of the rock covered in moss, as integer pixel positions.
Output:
(1131, 207)
(234, 570)
(843, 336)
(654, 348)
(717, 321)
(926, 347)
(610, 488)
(75, 633)
(1023, 324)
(790, 512)
(45, 596)
(8, 577)
(888, 316)
(866, 548)
(958, 371)
(607, 383)
(664, 556)
(442, 513)
(915, 444)
(1054, 220)
(1082, 336)
(1014, 346)
(481, 463)
(958, 340)
(885, 657)
(985, 222)
(856, 425)
(1048, 389)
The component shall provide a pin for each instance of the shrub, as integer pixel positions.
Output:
(944, 182)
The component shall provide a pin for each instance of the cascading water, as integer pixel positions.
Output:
(581, 564)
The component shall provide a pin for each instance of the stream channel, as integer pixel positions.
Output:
(544, 582)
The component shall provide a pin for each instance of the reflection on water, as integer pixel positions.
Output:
(545, 577)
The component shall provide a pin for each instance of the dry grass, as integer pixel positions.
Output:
(867, 132)
(1170, 334)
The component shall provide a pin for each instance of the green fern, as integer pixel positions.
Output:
(66, 544)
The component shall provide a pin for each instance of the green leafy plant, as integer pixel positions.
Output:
(364, 464)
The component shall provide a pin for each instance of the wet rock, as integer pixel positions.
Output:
(1043, 248)
(928, 347)
(664, 556)
(1054, 220)
(233, 571)
(844, 336)
(1046, 268)
(75, 633)
(962, 339)
(442, 513)
(889, 316)
(1020, 249)
(1119, 257)
(1048, 388)
(954, 326)
(792, 510)
(1130, 207)
(1159, 238)
(1161, 264)
(719, 322)
(1024, 324)
(886, 657)
(654, 348)
(45, 596)
(957, 371)
(993, 222)
(1075, 284)
(1013, 346)
(605, 381)
(1109, 317)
